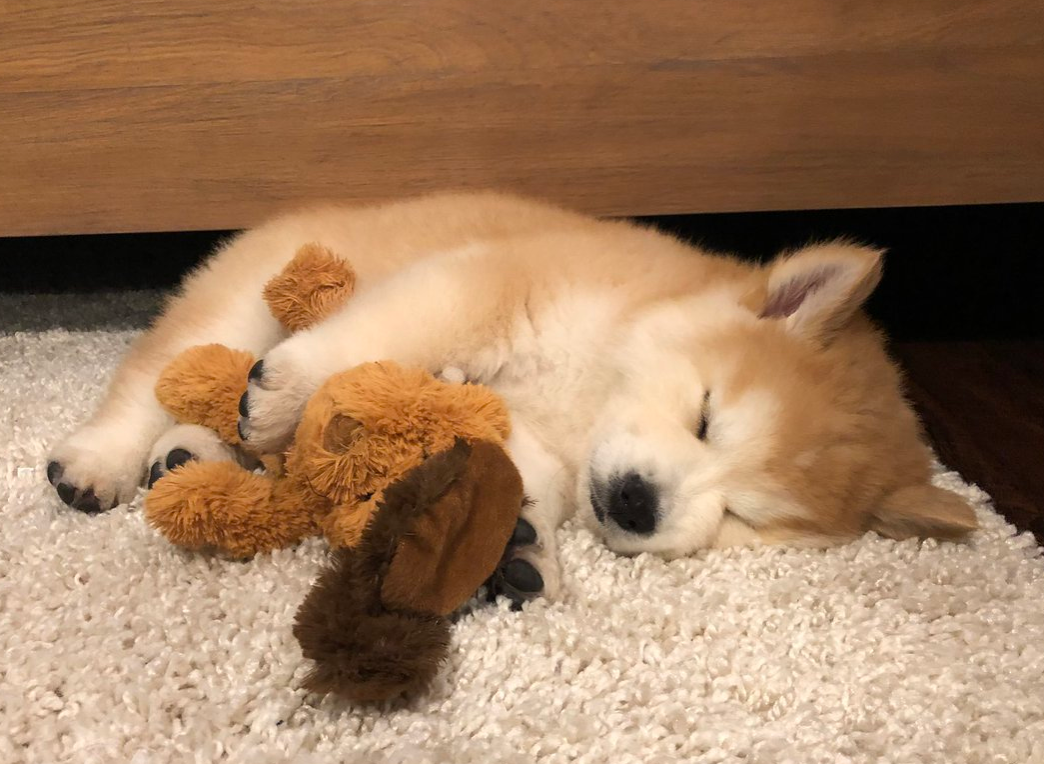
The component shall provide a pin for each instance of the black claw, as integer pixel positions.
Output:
(54, 472)
(522, 576)
(244, 405)
(178, 456)
(524, 534)
(155, 473)
(66, 493)
(257, 371)
(88, 502)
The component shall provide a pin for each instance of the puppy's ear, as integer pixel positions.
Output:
(816, 290)
(924, 511)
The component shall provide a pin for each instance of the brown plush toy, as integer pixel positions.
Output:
(362, 430)
(403, 472)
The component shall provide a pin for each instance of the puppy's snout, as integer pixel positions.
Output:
(633, 504)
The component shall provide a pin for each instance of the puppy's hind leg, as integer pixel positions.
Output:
(103, 463)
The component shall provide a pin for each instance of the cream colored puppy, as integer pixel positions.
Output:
(681, 400)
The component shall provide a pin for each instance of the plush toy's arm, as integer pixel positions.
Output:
(203, 385)
(221, 505)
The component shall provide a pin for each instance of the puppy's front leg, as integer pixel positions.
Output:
(531, 567)
(433, 315)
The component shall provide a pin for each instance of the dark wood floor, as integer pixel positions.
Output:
(983, 407)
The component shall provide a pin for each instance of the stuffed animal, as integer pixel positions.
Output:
(362, 430)
(402, 472)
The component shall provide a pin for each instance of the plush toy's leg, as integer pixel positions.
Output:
(221, 505)
(203, 385)
(531, 566)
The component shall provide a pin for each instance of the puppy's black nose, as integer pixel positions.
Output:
(633, 505)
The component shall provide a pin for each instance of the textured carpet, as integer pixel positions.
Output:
(117, 647)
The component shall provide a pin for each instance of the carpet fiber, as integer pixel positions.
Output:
(117, 647)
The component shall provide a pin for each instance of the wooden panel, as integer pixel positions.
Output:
(188, 114)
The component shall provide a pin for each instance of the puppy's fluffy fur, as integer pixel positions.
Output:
(680, 400)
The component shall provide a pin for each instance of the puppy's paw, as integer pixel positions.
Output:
(269, 411)
(188, 442)
(97, 468)
(529, 568)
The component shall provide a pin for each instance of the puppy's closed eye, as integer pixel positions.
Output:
(704, 420)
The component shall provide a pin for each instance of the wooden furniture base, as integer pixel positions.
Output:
(145, 115)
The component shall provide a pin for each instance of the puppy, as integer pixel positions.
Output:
(680, 400)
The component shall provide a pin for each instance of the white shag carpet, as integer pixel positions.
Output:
(119, 648)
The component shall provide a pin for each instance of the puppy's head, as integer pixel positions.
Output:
(767, 413)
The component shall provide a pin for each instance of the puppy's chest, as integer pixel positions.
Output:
(553, 366)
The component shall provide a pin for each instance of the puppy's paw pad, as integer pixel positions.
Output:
(183, 443)
(518, 580)
(527, 570)
(174, 459)
(84, 499)
(178, 456)
(524, 534)
(523, 577)
(257, 372)
(156, 471)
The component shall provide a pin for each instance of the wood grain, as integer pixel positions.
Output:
(187, 114)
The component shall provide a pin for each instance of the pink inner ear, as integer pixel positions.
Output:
(789, 296)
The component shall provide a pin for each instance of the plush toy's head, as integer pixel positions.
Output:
(367, 427)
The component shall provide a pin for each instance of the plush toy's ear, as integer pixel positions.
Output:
(203, 385)
(456, 542)
(313, 285)
(816, 290)
(924, 511)
(360, 651)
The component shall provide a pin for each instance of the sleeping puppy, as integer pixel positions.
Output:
(680, 400)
